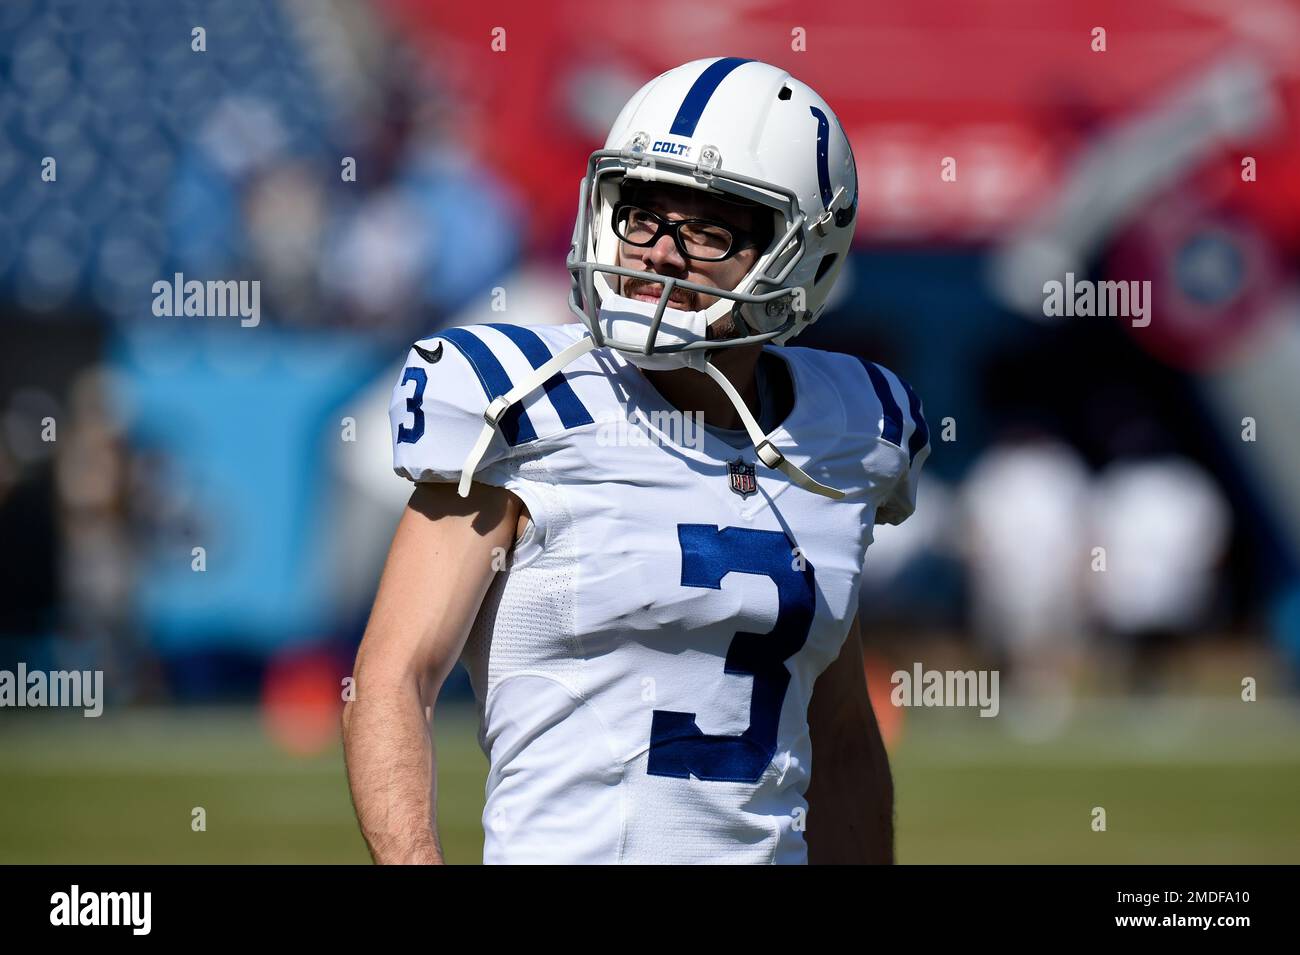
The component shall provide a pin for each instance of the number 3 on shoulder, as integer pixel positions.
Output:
(414, 405)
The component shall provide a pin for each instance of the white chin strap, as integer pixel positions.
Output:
(766, 451)
(763, 447)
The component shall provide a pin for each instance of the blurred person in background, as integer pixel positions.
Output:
(1164, 526)
(423, 228)
(1025, 510)
(93, 472)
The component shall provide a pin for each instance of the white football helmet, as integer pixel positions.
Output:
(746, 129)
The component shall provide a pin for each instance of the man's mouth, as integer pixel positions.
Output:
(650, 292)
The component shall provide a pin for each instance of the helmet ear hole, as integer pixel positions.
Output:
(827, 261)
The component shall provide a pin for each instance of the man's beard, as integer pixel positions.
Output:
(722, 328)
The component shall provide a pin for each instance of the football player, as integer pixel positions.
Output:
(660, 630)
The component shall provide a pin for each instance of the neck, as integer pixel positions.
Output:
(689, 390)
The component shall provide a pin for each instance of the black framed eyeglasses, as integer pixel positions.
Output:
(705, 240)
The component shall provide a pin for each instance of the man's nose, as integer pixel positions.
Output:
(665, 254)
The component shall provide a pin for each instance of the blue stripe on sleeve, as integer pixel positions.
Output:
(516, 427)
(893, 415)
(921, 435)
(571, 410)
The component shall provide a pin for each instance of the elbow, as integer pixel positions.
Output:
(384, 680)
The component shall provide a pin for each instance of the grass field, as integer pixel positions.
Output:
(1181, 782)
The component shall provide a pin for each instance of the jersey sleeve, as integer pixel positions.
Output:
(436, 412)
(903, 427)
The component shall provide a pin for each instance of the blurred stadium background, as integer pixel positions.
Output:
(1122, 687)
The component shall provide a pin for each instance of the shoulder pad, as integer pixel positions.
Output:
(902, 424)
(436, 412)
(885, 425)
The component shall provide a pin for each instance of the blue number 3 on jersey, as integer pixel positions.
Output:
(677, 745)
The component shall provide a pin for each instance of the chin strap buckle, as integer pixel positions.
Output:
(763, 447)
(496, 410)
(768, 454)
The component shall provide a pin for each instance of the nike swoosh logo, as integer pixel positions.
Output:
(429, 355)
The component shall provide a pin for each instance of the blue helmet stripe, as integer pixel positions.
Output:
(515, 424)
(823, 157)
(572, 412)
(688, 114)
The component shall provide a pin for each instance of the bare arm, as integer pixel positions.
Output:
(438, 570)
(851, 797)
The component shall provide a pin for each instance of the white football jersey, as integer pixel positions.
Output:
(643, 666)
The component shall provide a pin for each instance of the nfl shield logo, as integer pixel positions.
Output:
(744, 481)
